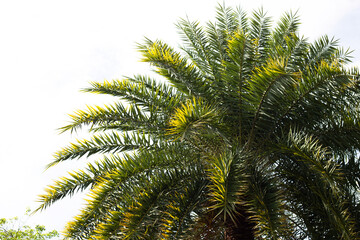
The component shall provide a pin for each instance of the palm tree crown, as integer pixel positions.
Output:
(253, 133)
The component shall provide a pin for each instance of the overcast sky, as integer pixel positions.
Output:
(49, 50)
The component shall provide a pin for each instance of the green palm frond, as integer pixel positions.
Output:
(77, 181)
(260, 36)
(141, 91)
(308, 150)
(229, 20)
(180, 208)
(266, 205)
(287, 26)
(193, 118)
(131, 117)
(240, 63)
(266, 91)
(224, 173)
(321, 50)
(115, 182)
(198, 49)
(142, 211)
(320, 177)
(170, 64)
(106, 143)
(310, 92)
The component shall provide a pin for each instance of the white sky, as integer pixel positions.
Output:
(49, 50)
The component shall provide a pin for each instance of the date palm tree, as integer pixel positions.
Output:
(251, 132)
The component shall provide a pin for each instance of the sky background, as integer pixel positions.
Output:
(49, 50)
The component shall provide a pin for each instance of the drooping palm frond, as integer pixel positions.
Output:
(267, 206)
(319, 176)
(114, 188)
(77, 181)
(150, 208)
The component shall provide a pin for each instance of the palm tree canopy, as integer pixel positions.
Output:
(252, 132)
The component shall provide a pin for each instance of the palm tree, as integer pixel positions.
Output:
(252, 132)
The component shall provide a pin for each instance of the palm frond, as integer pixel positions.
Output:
(266, 205)
(287, 26)
(311, 93)
(321, 178)
(223, 173)
(170, 64)
(193, 118)
(76, 181)
(260, 36)
(131, 117)
(198, 48)
(106, 143)
(181, 208)
(322, 50)
(136, 219)
(120, 184)
(139, 90)
(228, 19)
(266, 90)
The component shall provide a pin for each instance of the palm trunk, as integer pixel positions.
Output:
(242, 230)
